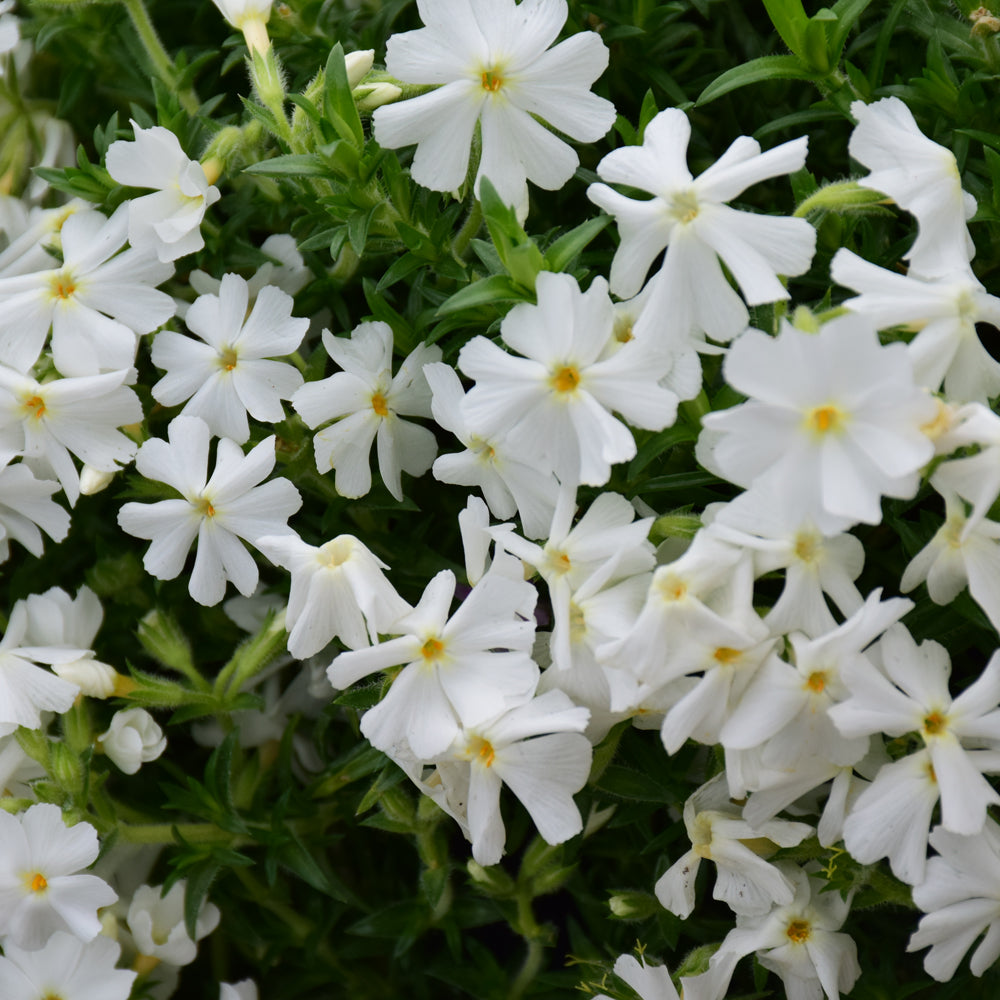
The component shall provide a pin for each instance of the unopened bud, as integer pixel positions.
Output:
(94, 480)
(372, 96)
(93, 678)
(359, 65)
(634, 905)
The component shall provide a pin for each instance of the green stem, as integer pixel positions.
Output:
(158, 56)
(163, 833)
(533, 935)
(471, 226)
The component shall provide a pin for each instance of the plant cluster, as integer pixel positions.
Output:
(499, 499)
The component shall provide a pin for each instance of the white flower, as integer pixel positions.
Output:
(496, 67)
(461, 670)
(921, 177)
(798, 940)
(40, 890)
(66, 968)
(96, 303)
(688, 216)
(651, 982)
(833, 422)
(157, 923)
(47, 422)
(366, 402)
(961, 898)
(338, 591)
(537, 751)
(554, 404)
(26, 505)
(219, 511)
(226, 376)
(509, 483)
(246, 989)
(944, 311)
(787, 705)
(133, 739)
(168, 221)
(965, 550)
(26, 690)
(744, 880)
(238, 12)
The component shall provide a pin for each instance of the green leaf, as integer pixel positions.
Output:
(399, 269)
(847, 12)
(757, 71)
(357, 229)
(568, 246)
(486, 291)
(338, 101)
(814, 46)
(789, 20)
(199, 881)
(292, 165)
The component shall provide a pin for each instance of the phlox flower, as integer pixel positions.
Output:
(26, 690)
(509, 483)
(460, 670)
(26, 505)
(536, 750)
(218, 511)
(554, 403)
(225, 374)
(799, 940)
(67, 968)
(47, 422)
(132, 739)
(167, 222)
(960, 896)
(815, 565)
(834, 422)
(41, 891)
(744, 880)
(157, 923)
(367, 402)
(786, 705)
(892, 816)
(965, 551)
(56, 619)
(651, 982)
(689, 218)
(338, 591)
(245, 989)
(944, 311)
(607, 540)
(494, 66)
(922, 178)
(96, 303)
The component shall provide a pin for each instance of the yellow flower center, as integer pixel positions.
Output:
(62, 285)
(673, 588)
(566, 379)
(228, 359)
(727, 656)
(486, 753)
(204, 507)
(492, 80)
(623, 330)
(798, 931)
(34, 407)
(334, 553)
(37, 882)
(379, 405)
(827, 419)
(807, 546)
(684, 206)
(935, 724)
(817, 681)
(432, 649)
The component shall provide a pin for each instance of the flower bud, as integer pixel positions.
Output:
(372, 96)
(94, 480)
(94, 678)
(634, 905)
(359, 65)
(133, 739)
(157, 924)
